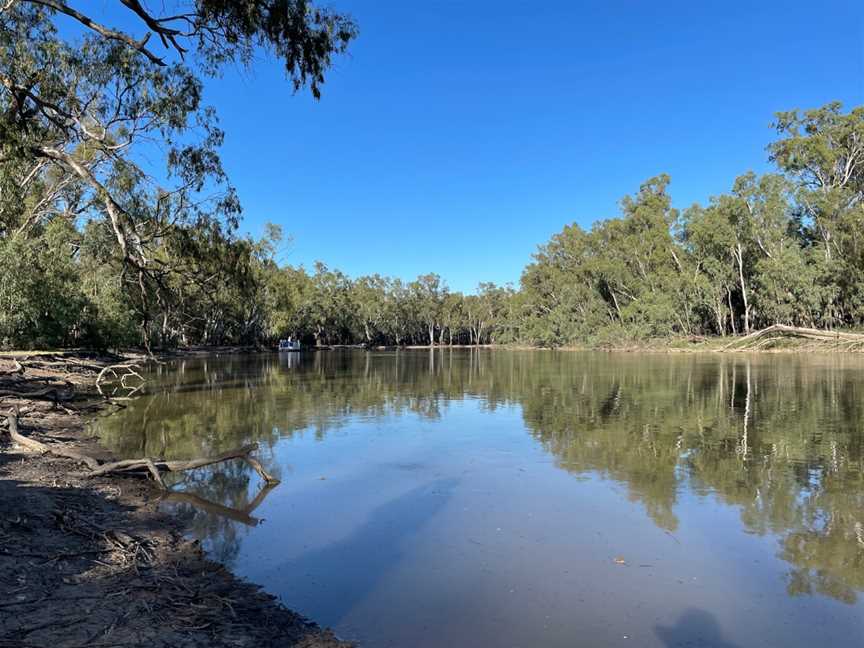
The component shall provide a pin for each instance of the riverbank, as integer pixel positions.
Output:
(773, 339)
(778, 338)
(92, 561)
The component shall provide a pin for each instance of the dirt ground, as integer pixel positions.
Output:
(91, 561)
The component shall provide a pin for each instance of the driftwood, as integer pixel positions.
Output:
(163, 465)
(129, 370)
(759, 339)
(154, 466)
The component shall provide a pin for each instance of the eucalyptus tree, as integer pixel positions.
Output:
(747, 248)
(289, 303)
(80, 114)
(561, 297)
(822, 151)
(785, 274)
(493, 310)
(398, 313)
(331, 306)
(40, 304)
(452, 316)
(707, 243)
(728, 216)
(427, 295)
(370, 299)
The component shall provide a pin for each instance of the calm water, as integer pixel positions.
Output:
(496, 498)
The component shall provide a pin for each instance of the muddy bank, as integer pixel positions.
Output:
(92, 561)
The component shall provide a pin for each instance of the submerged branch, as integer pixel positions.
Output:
(155, 467)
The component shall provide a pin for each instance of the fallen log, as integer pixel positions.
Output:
(174, 465)
(764, 336)
(155, 467)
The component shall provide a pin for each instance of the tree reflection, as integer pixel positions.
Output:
(780, 438)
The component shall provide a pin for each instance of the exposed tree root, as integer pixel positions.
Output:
(42, 448)
(153, 466)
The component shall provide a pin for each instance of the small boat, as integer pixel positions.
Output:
(289, 345)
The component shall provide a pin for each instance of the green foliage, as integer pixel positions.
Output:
(94, 251)
(781, 248)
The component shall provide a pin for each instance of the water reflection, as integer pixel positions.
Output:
(778, 438)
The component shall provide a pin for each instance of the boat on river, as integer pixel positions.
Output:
(289, 345)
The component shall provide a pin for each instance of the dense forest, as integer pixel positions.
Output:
(97, 249)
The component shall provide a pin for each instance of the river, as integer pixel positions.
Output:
(528, 498)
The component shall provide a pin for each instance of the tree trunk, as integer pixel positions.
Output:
(731, 312)
(617, 307)
(720, 317)
(739, 255)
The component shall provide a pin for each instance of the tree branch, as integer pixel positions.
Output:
(139, 45)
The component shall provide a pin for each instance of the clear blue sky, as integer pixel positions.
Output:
(457, 136)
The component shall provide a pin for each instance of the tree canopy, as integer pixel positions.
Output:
(99, 246)
(78, 116)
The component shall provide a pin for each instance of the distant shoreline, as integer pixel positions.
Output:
(774, 339)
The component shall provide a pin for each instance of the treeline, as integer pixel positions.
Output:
(327, 307)
(786, 247)
(65, 288)
(95, 251)
(782, 248)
